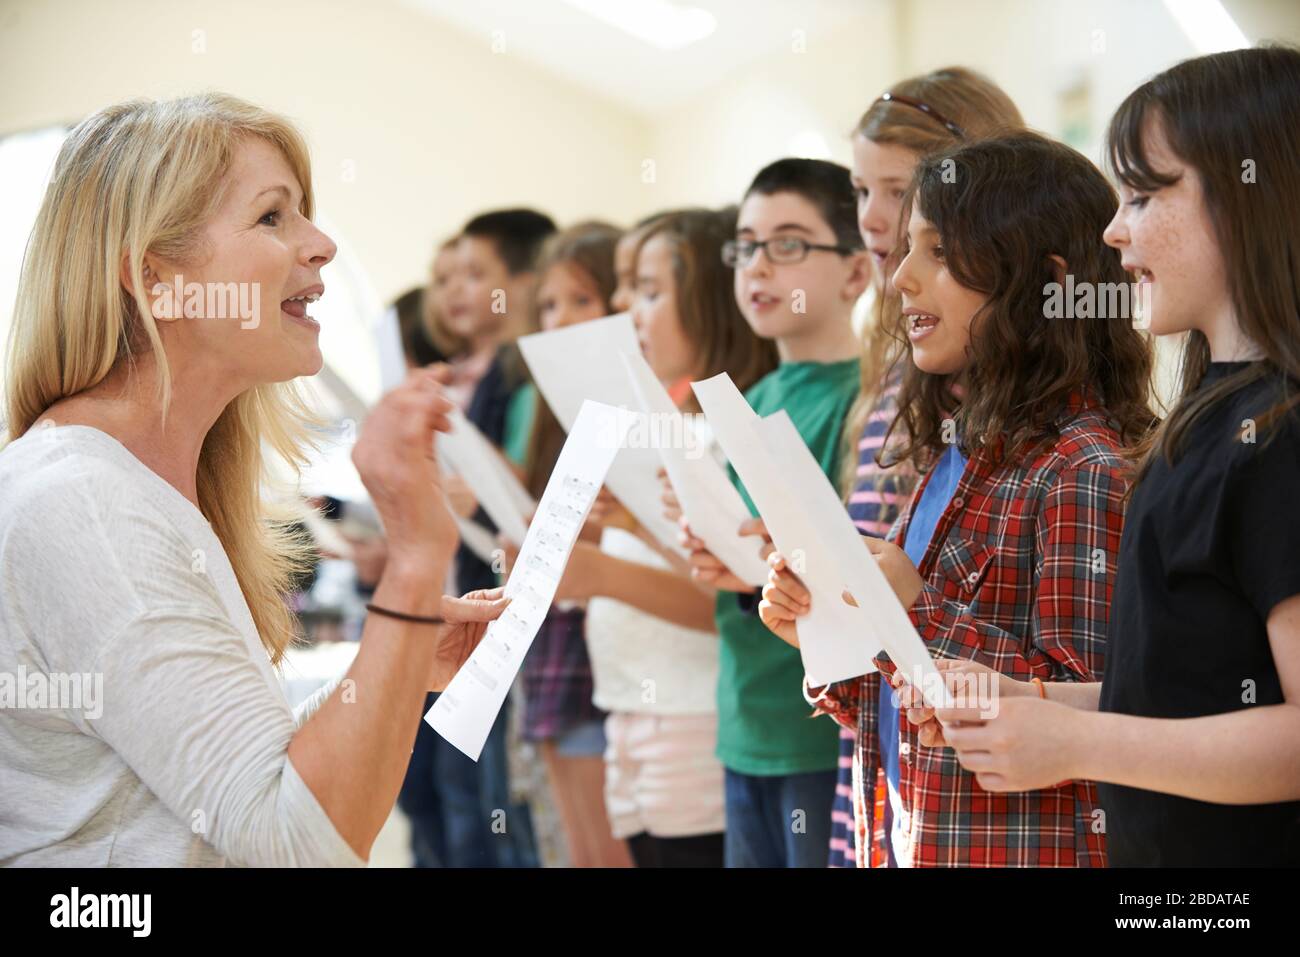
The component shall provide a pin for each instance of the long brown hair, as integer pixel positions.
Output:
(588, 247)
(1002, 207)
(979, 107)
(1216, 112)
(706, 298)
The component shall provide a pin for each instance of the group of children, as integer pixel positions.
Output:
(1126, 584)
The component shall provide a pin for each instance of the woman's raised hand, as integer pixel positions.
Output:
(395, 458)
(467, 620)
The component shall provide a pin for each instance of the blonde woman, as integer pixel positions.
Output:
(141, 563)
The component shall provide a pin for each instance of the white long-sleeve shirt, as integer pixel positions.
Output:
(171, 748)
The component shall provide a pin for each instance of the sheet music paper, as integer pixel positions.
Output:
(852, 568)
(465, 712)
(709, 501)
(392, 357)
(581, 362)
(467, 451)
(834, 640)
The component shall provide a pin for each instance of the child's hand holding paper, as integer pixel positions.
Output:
(708, 569)
(899, 571)
(672, 507)
(784, 599)
(975, 687)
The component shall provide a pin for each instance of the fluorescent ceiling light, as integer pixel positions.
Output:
(668, 26)
(1208, 25)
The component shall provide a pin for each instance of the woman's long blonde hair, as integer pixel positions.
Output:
(143, 177)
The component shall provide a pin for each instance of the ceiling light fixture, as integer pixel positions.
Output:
(1208, 25)
(668, 26)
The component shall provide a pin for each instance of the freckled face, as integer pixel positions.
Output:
(1167, 238)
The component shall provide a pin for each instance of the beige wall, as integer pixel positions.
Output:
(708, 150)
(415, 125)
(1039, 48)
(1034, 49)
(434, 125)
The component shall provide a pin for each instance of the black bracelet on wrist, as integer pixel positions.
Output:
(403, 616)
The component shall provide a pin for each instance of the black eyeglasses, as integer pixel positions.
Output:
(779, 250)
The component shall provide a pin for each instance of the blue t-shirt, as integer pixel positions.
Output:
(925, 518)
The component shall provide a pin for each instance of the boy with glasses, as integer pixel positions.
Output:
(800, 267)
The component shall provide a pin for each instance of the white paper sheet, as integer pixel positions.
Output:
(709, 501)
(852, 567)
(392, 357)
(465, 712)
(833, 637)
(467, 451)
(581, 362)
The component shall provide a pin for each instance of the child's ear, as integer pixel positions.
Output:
(859, 276)
(1058, 267)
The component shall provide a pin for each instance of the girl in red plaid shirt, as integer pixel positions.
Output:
(1026, 413)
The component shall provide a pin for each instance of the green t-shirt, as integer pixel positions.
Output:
(764, 726)
(520, 412)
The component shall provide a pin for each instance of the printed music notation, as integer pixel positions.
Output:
(510, 633)
(467, 709)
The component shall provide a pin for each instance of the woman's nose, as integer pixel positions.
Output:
(318, 248)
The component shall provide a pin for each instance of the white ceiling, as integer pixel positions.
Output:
(605, 60)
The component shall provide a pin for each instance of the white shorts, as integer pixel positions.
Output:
(662, 776)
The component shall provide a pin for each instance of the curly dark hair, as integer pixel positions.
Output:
(1003, 208)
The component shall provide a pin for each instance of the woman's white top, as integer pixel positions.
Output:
(141, 723)
(641, 663)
